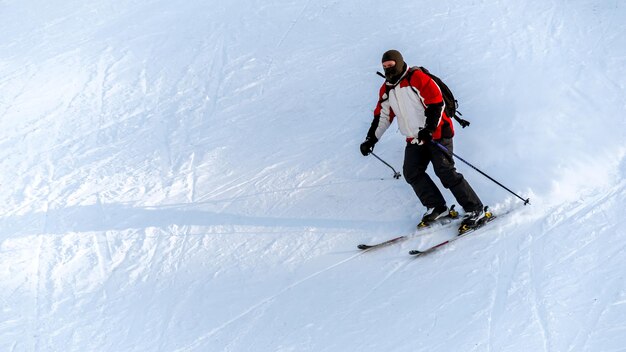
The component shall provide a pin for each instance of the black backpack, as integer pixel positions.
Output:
(448, 98)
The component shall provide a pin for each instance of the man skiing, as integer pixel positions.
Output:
(414, 98)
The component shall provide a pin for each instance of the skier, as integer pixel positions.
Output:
(416, 100)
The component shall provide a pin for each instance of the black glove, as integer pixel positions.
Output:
(424, 136)
(368, 146)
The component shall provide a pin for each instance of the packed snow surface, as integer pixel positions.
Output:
(185, 176)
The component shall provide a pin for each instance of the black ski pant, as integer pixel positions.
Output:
(416, 160)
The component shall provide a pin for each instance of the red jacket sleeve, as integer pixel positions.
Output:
(431, 97)
(427, 88)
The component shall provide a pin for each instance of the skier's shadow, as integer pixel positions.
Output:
(119, 217)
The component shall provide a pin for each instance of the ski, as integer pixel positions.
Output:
(421, 227)
(489, 217)
(382, 244)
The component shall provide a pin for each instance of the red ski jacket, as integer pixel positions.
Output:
(417, 103)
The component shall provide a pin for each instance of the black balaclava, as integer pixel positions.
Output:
(393, 74)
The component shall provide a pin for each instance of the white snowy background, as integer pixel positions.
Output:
(185, 176)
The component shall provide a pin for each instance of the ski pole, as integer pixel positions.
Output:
(445, 150)
(396, 174)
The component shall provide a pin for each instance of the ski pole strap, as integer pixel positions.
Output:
(448, 152)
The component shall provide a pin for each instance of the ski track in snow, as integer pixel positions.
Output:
(537, 307)
(196, 344)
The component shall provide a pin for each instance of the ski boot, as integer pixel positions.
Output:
(475, 219)
(436, 213)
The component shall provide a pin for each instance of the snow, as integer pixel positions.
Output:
(186, 177)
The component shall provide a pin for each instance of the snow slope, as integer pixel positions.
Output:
(186, 177)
